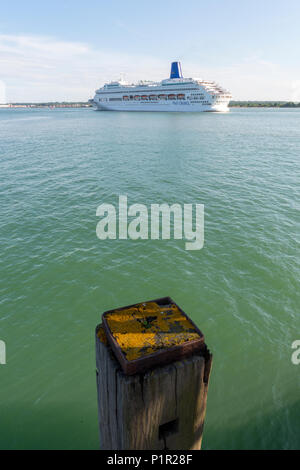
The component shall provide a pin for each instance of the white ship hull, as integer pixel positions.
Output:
(175, 94)
(161, 107)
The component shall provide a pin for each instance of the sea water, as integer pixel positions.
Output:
(57, 277)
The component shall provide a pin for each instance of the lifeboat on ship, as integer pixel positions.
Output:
(171, 97)
(137, 97)
(181, 96)
(125, 98)
(153, 97)
(162, 97)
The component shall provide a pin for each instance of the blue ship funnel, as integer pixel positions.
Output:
(176, 70)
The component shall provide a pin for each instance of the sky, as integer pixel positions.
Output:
(62, 50)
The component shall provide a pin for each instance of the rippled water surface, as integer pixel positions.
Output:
(56, 167)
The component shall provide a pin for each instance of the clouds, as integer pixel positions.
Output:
(36, 68)
(295, 90)
(256, 79)
(42, 68)
(3, 99)
(41, 45)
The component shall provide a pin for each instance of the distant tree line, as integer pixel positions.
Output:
(57, 104)
(264, 104)
(232, 104)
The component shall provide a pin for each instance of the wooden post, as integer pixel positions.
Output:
(163, 408)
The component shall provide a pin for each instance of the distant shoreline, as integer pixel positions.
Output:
(264, 104)
(86, 104)
(63, 104)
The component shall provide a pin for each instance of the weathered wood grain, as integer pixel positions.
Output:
(163, 408)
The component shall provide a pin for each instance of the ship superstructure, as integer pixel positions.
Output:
(173, 94)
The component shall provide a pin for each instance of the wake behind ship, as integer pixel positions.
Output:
(172, 94)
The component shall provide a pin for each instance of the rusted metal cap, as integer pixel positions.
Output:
(150, 334)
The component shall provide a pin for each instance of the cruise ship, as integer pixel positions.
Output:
(176, 93)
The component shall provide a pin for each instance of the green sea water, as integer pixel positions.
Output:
(57, 277)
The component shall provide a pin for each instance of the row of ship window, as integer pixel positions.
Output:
(180, 96)
(172, 97)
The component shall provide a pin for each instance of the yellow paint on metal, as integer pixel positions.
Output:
(148, 327)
